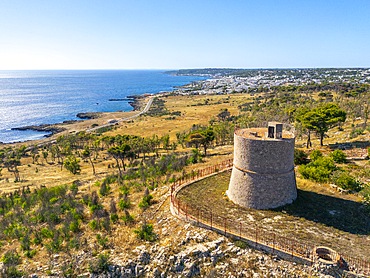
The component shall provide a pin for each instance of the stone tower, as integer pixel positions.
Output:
(263, 169)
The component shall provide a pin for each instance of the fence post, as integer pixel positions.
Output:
(186, 212)
(198, 216)
(292, 248)
(273, 244)
(240, 230)
(211, 220)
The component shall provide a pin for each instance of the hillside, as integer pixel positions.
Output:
(93, 202)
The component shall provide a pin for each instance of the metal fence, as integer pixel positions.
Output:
(254, 235)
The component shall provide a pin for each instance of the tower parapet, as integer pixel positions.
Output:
(263, 169)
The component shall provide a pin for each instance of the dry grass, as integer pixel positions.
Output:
(193, 111)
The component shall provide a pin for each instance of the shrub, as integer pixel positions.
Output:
(145, 232)
(146, 201)
(114, 217)
(13, 272)
(127, 218)
(53, 218)
(94, 208)
(104, 189)
(124, 203)
(11, 258)
(53, 200)
(356, 132)
(110, 179)
(195, 156)
(102, 240)
(300, 157)
(15, 230)
(72, 164)
(93, 202)
(124, 189)
(74, 243)
(37, 238)
(318, 170)
(241, 244)
(338, 156)
(153, 185)
(77, 214)
(74, 226)
(74, 188)
(46, 233)
(30, 253)
(345, 181)
(25, 243)
(315, 154)
(94, 225)
(68, 270)
(55, 245)
(100, 265)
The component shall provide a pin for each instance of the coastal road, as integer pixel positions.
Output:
(146, 109)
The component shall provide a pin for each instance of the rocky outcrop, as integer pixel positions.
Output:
(88, 115)
(52, 129)
(187, 251)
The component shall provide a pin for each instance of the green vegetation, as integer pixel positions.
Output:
(318, 170)
(100, 264)
(323, 169)
(201, 137)
(315, 154)
(146, 201)
(145, 232)
(338, 156)
(320, 119)
(344, 180)
(119, 172)
(11, 260)
(72, 164)
(300, 157)
(59, 219)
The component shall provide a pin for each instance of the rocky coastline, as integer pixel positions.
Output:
(88, 115)
(50, 128)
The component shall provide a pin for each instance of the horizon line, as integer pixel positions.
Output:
(176, 69)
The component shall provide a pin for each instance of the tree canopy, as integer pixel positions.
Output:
(201, 137)
(321, 119)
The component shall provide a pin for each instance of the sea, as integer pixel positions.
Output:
(46, 97)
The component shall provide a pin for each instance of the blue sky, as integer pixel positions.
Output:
(173, 34)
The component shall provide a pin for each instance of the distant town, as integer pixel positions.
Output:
(223, 81)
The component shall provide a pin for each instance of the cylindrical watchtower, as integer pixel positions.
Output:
(263, 170)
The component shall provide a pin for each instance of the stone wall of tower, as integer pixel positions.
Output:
(263, 172)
